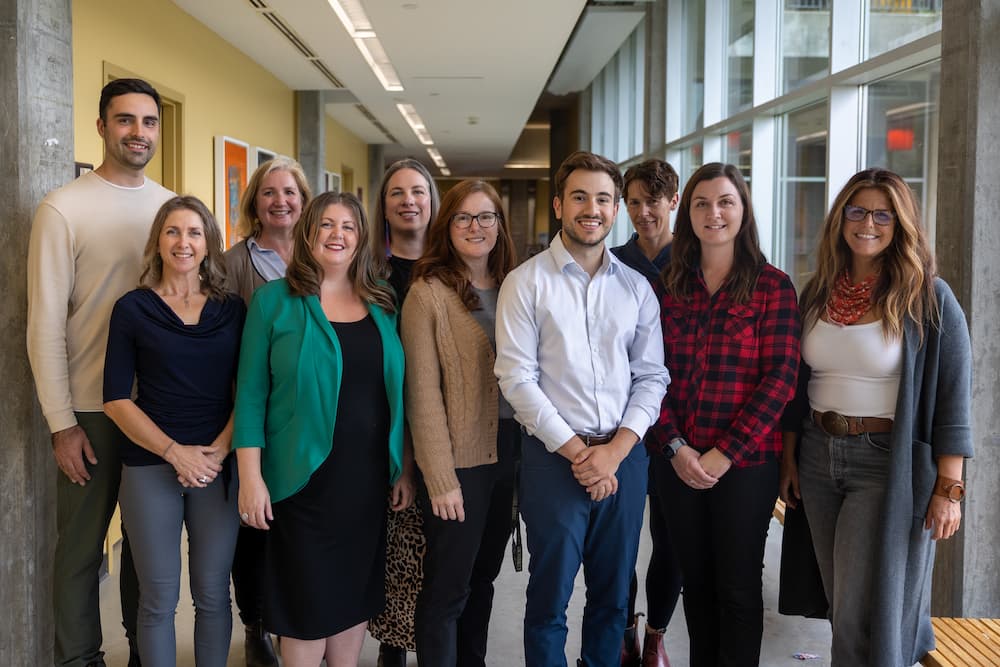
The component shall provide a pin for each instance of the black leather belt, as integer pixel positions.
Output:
(838, 425)
(595, 439)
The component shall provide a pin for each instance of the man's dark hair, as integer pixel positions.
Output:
(659, 177)
(124, 87)
(587, 162)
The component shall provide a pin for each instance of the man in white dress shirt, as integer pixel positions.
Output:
(580, 358)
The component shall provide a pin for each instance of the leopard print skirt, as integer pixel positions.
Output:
(404, 575)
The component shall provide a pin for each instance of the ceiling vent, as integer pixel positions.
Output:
(300, 45)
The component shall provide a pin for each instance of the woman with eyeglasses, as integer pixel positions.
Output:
(884, 419)
(464, 435)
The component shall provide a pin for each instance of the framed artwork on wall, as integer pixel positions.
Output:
(332, 181)
(259, 156)
(232, 164)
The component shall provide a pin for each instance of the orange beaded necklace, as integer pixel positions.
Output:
(848, 303)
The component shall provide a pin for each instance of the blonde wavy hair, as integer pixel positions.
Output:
(249, 223)
(905, 286)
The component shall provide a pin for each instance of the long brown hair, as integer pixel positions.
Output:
(304, 273)
(213, 268)
(905, 286)
(685, 253)
(381, 225)
(440, 259)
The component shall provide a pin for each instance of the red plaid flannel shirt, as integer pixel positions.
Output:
(733, 368)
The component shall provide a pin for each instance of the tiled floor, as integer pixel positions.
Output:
(783, 635)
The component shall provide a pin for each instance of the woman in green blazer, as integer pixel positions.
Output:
(318, 432)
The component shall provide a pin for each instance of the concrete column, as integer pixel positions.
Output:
(376, 167)
(36, 98)
(312, 137)
(520, 214)
(654, 131)
(967, 245)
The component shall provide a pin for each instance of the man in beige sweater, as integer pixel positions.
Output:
(86, 248)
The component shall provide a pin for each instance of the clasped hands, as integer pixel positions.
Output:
(700, 471)
(594, 466)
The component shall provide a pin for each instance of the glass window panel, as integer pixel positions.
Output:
(892, 23)
(805, 42)
(693, 52)
(691, 158)
(902, 130)
(739, 55)
(803, 188)
(737, 146)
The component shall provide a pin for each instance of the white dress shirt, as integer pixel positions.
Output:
(577, 354)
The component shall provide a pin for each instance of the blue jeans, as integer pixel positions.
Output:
(566, 528)
(843, 480)
(154, 508)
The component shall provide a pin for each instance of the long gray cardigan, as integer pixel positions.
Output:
(932, 419)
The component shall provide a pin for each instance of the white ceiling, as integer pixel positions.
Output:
(473, 69)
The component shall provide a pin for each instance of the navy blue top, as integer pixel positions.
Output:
(184, 373)
(632, 256)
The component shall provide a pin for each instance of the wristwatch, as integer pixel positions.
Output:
(673, 447)
(952, 489)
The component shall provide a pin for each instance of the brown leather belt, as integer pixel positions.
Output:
(595, 439)
(836, 424)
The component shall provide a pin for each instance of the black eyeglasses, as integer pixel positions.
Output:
(485, 219)
(880, 216)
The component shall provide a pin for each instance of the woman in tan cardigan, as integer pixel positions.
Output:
(464, 435)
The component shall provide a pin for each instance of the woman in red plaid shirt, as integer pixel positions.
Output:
(731, 343)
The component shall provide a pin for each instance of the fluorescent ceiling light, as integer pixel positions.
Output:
(436, 156)
(352, 15)
(416, 123)
(526, 165)
(445, 171)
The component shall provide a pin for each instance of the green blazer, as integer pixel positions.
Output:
(288, 386)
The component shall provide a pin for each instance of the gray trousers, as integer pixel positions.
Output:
(843, 480)
(82, 517)
(154, 508)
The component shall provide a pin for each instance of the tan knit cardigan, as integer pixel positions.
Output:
(451, 394)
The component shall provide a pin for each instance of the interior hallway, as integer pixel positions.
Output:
(783, 635)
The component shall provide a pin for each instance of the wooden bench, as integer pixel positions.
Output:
(964, 642)
(779, 511)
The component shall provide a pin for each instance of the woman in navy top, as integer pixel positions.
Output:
(177, 339)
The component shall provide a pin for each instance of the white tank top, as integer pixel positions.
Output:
(855, 370)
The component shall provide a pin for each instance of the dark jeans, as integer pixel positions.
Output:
(82, 517)
(463, 559)
(248, 572)
(719, 535)
(565, 529)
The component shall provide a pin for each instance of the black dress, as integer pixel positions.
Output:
(325, 564)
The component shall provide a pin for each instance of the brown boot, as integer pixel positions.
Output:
(653, 653)
(631, 653)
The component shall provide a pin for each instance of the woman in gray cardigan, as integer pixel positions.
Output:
(884, 407)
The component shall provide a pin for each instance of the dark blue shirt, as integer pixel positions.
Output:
(184, 373)
(631, 254)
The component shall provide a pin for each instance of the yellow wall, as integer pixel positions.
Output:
(224, 92)
(348, 156)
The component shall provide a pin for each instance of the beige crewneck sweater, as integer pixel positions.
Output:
(85, 252)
